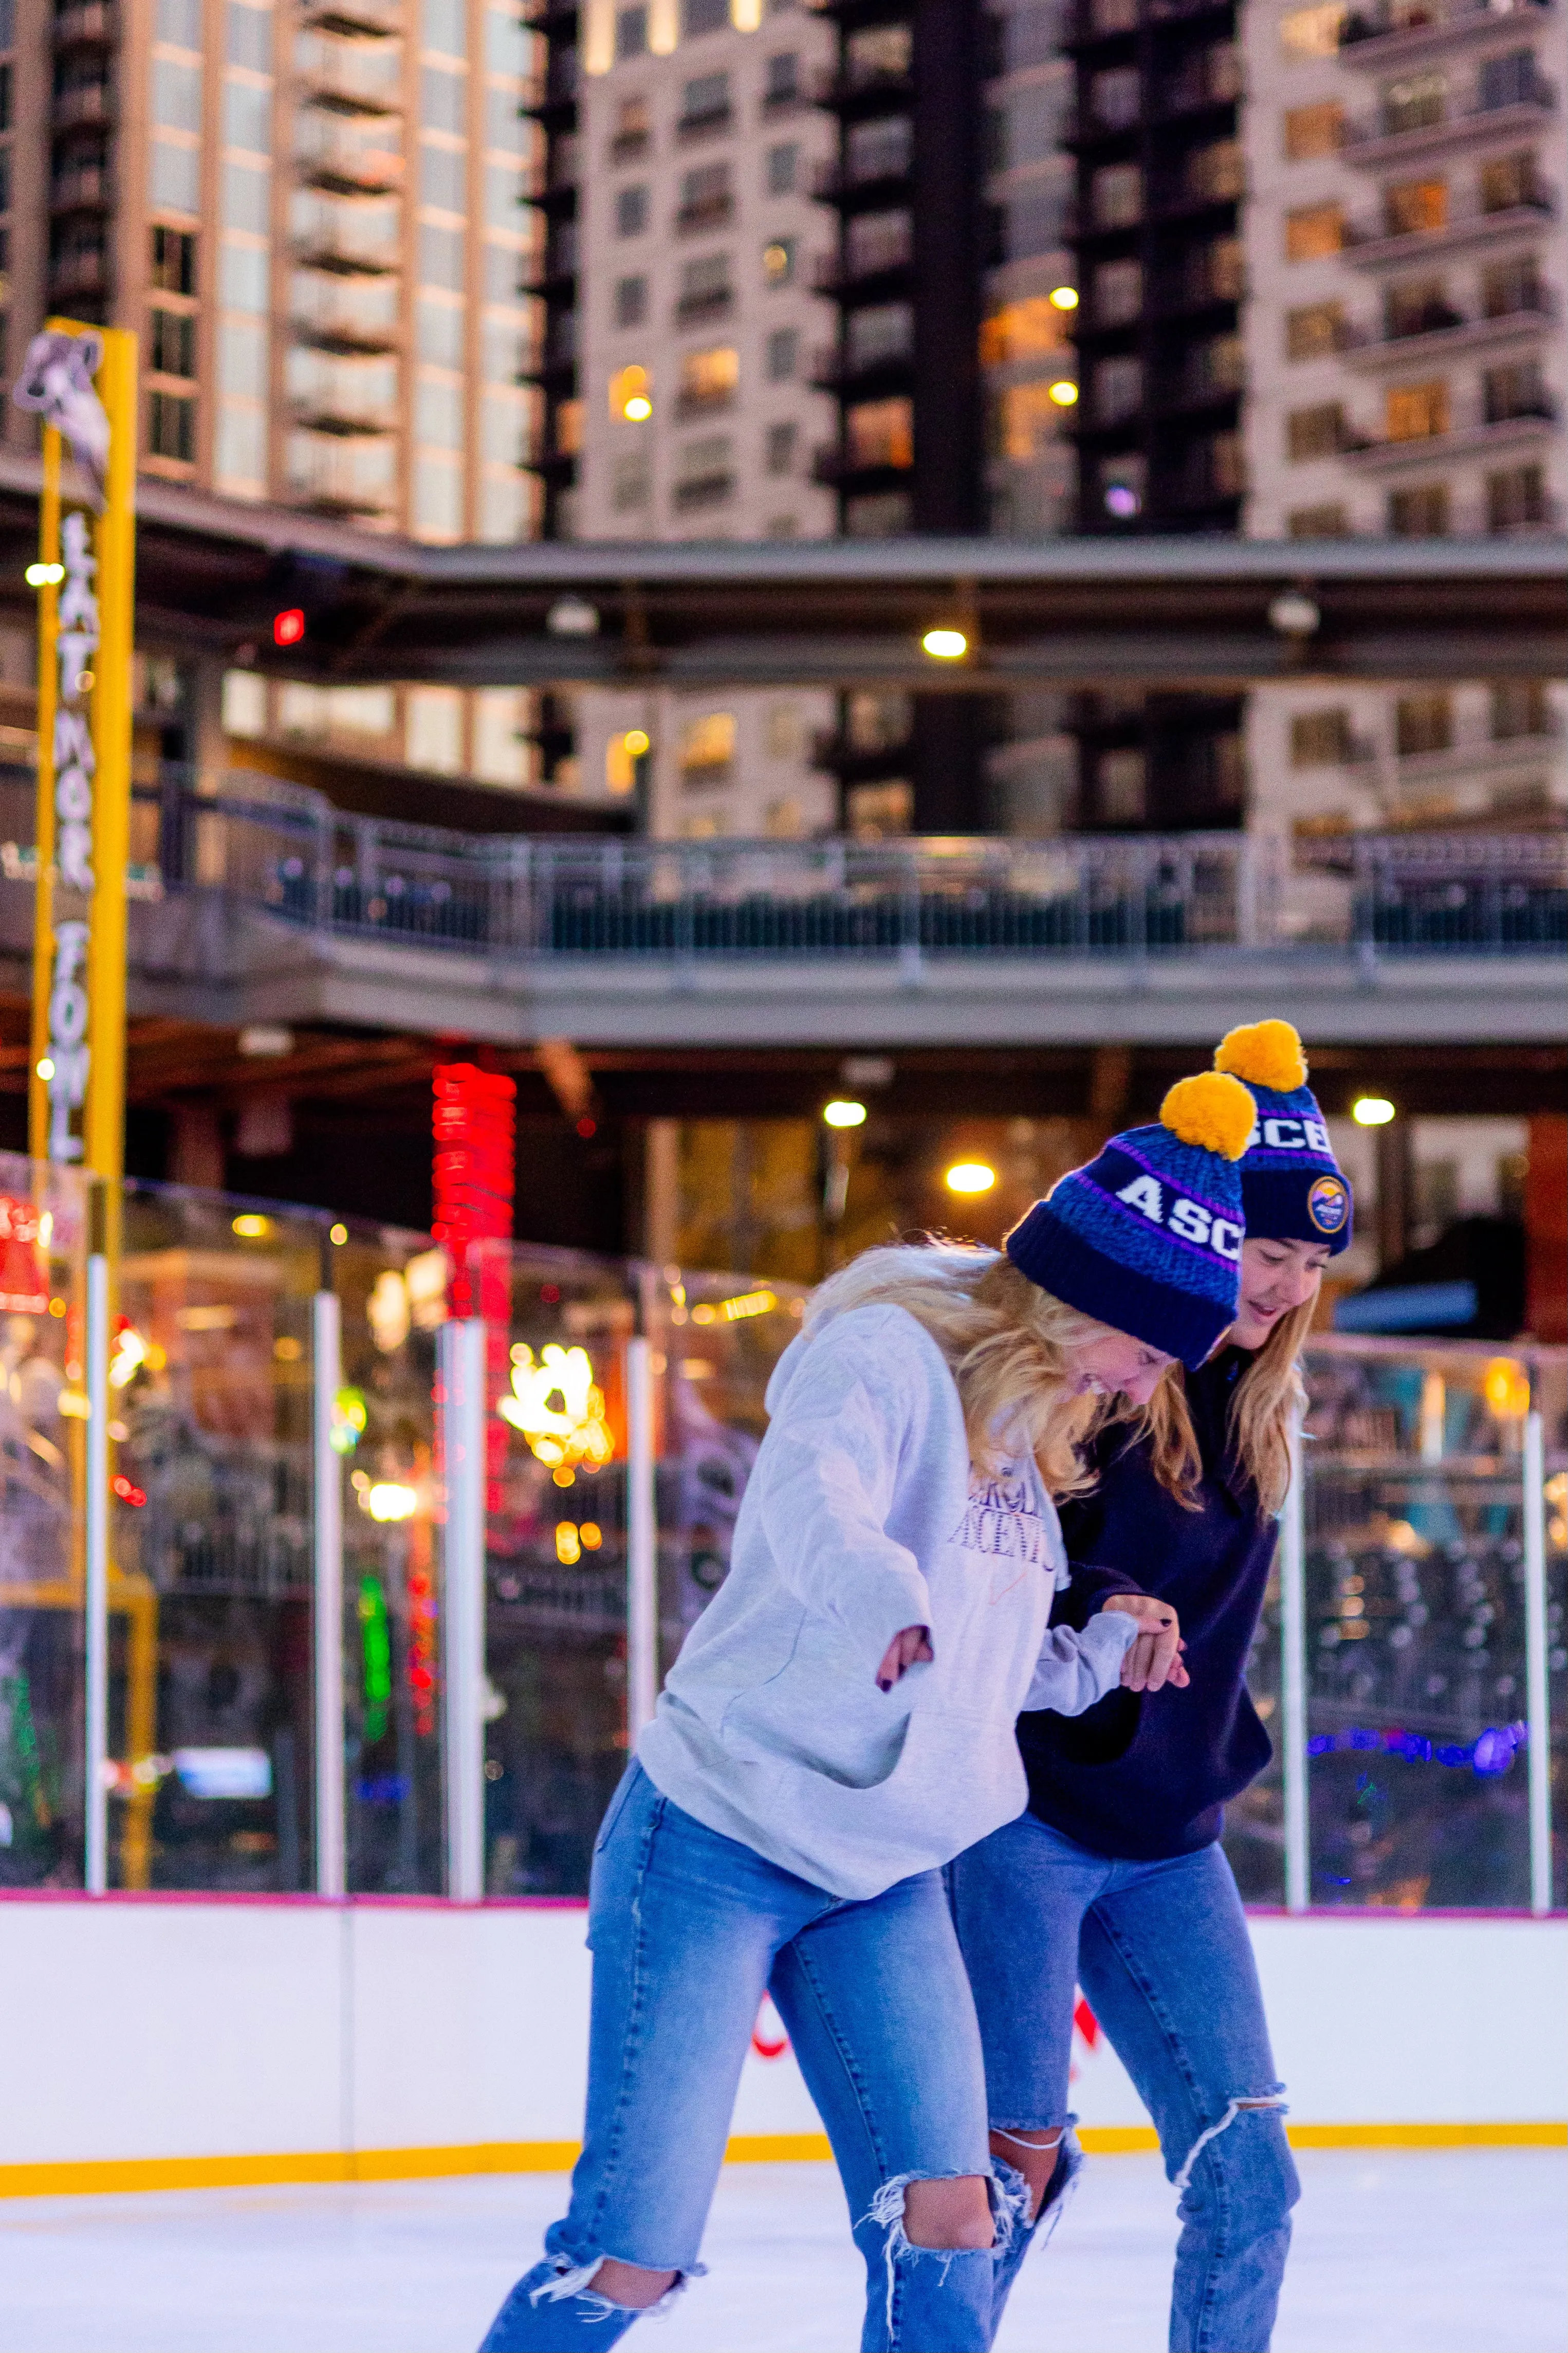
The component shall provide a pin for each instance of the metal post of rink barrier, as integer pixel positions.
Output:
(462, 1372)
(642, 1542)
(326, 1328)
(95, 1598)
(1537, 1704)
(1293, 1680)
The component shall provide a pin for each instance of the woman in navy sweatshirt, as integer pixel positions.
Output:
(1114, 1878)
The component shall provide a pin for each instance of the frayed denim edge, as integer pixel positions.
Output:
(1263, 2102)
(572, 2279)
(1010, 2205)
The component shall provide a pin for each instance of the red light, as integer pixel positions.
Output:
(128, 1493)
(586, 1127)
(288, 628)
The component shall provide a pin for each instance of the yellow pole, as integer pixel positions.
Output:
(44, 829)
(104, 1127)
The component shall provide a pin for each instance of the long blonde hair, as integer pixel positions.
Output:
(1008, 1343)
(1267, 1398)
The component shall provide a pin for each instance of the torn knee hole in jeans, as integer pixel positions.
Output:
(1270, 2101)
(576, 2280)
(1008, 2194)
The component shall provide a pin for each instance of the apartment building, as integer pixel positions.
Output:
(311, 217)
(696, 334)
(1407, 269)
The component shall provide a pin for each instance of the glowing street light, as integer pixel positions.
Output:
(945, 645)
(970, 1177)
(840, 1114)
(1065, 393)
(1064, 298)
(1372, 1110)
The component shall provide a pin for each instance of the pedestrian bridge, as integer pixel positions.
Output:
(264, 903)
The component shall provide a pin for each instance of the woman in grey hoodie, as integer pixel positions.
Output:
(840, 1724)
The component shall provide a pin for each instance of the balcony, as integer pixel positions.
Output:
(84, 272)
(553, 104)
(864, 89)
(90, 25)
(705, 124)
(711, 212)
(707, 302)
(342, 423)
(339, 180)
(334, 261)
(82, 106)
(1368, 247)
(1449, 333)
(1480, 436)
(846, 370)
(87, 189)
(1370, 147)
(346, 340)
(362, 21)
(853, 188)
(353, 105)
(696, 490)
(1371, 44)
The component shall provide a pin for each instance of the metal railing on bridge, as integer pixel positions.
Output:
(285, 850)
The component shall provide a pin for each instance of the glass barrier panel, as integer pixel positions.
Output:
(43, 1434)
(1549, 1381)
(392, 1295)
(1416, 1624)
(1254, 1833)
(557, 1324)
(211, 1562)
(716, 1339)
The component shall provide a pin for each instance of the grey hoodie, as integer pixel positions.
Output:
(863, 1516)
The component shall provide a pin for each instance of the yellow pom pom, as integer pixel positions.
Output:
(1268, 1053)
(1211, 1111)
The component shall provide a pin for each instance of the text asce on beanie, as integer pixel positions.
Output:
(1147, 1238)
(1292, 1187)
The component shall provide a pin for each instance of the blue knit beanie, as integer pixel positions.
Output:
(1293, 1188)
(1147, 1237)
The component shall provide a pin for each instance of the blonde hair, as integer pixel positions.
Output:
(1008, 1344)
(1267, 1397)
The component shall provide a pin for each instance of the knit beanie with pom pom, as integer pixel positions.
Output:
(1292, 1187)
(1147, 1238)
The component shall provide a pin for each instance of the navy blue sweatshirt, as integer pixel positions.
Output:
(1145, 1775)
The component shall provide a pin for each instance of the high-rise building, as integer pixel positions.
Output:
(1407, 275)
(311, 217)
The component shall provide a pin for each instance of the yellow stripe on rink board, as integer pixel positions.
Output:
(95, 2176)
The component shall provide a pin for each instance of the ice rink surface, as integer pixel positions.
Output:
(1450, 2252)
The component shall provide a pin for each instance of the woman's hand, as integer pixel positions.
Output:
(909, 1649)
(1153, 1658)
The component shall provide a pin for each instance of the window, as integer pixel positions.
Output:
(1216, 172)
(444, 101)
(6, 99)
(1317, 130)
(631, 211)
(781, 86)
(784, 737)
(778, 262)
(1516, 391)
(709, 379)
(174, 260)
(704, 286)
(704, 472)
(441, 252)
(1418, 103)
(176, 95)
(1319, 739)
(1312, 231)
(172, 427)
(881, 433)
(1122, 786)
(1414, 207)
(440, 331)
(705, 197)
(880, 149)
(1118, 294)
(1113, 16)
(780, 448)
(631, 33)
(1312, 32)
(1416, 412)
(1420, 513)
(1417, 306)
(172, 345)
(1316, 432)
(1315, 331)
(1510, 286)
(705, 103)
(886, 331)
(699, 17)
(1117, 389)
(1423, 723)
(1508, 80)
(444, 178)
(1214, 367)
(784, 169)
(708, 745)
(874, 811)
(877, 514)
(1516, 498)
(1518, 708)
(783, 349)
(1113, 97)
(1027, 420)
(1508, 182)
(1326, 521)
(1215, 272)
(880, 53)
(631, 302)
(631, 482)
(874, 241)
(1116, 195)
(631, 135)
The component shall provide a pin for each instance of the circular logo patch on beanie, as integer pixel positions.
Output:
(1328, 1205)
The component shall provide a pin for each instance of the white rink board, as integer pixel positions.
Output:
(144, 2028)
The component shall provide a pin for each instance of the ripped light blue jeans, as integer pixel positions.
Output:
(689, 1929)
(1161, 1951)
